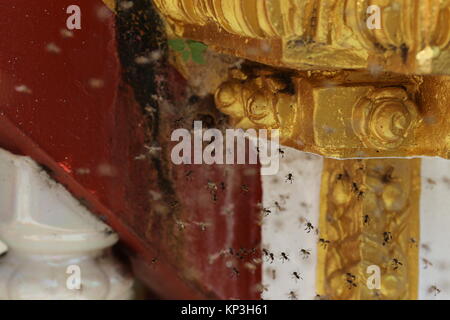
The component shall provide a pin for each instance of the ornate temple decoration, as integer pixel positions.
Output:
(369, 213)
(384, 118)
(260, 98)
(412, 36)
(337, 88)
(111, 4)
(342, 114)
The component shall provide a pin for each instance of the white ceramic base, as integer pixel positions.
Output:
(56, 249)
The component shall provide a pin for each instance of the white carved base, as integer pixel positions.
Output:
(94, 275)
(56, 249)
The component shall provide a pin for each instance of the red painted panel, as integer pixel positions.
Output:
(63, 102)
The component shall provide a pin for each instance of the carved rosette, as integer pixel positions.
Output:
(384, 118)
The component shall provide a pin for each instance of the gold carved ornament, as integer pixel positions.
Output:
(342, 114)
(413, 37)
(370, 216)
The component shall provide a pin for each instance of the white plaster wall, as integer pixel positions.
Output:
(284, 231)
(435, 229)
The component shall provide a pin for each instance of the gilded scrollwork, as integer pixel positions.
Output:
(369, 213)
(258, 99)
(412, 36)
(345, 114)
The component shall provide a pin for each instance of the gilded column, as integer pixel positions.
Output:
(370, 216)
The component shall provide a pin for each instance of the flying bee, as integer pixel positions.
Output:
(350, 279)
(366, 219)
(296, 276)
(290, 178)
(427, 263)
(293, 295)
(305, 253)
(396, 264)
(284, 257)
(235, 272)
(434, 290)
(309, 227)
(387, 237)
(189, 174)
(387, 176)
(324, 243)
(181, 225)
(266, 212)
(278, 206)
(413, 242)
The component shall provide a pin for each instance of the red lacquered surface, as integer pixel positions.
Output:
(63, 102)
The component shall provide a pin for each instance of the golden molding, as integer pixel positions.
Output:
(370, 215)
(110, 4)
(414, 35)
(342, 114)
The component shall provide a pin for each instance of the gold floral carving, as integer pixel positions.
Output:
(413, 37)
(111, 4)
(370, 216)
(342, 114)
(259, 99)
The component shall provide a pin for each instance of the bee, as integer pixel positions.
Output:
(387, 176)
(235, 272)
(293, 295)
(296, 276)
(350, 279)
(202, 225)
(290, 178)
(342, 176)
(413, 242)
(284, 257)
(266, 212)
(178, 122)
(396, 264)
(324, 243)
(305, 253)
(278, 206)
(435, 290)
(427, 263)
(366, 219)
(189, 174)
(244, 188)
(181, 225)
(154, 261)
(387, 237)
(211, 186)
(281, 152)
(261, 288)
(309, 227)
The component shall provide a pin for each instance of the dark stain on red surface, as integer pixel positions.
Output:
(78, 107)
